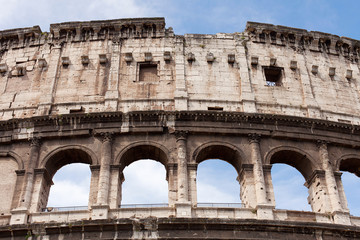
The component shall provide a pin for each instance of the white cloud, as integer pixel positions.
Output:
(145, 182)
(71, 186)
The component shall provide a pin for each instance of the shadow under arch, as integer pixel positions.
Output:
(143, 150)
(294, 157)
(219, 150)
(62, 156)
(349, 163)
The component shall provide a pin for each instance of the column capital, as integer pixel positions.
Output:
(321, 143)
(106, 136)
(35, 141)
(181, 135)
(254, 137)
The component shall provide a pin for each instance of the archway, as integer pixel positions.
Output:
(217, 183)
(145, 183)
(291, 167)
(223, 162)
(72, 181)
(349, 183)
(56, 160)
(138, 164)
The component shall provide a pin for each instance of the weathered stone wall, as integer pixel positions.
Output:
(108, 93)
(95, 67)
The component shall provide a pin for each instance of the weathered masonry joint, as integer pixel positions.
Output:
(109, 93)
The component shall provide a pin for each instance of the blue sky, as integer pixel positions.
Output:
(191, 16)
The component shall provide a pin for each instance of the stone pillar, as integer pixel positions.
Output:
(247, 189)
(268, 184)
(116, 180)
(19, 215)
(100, 210)
(264, 210)
(182, 173)
(29, 174)
(181, 94)
(172, 183)
(104, 177)
(94, 182)
(333, 193)
(41, 189)
(340, 187)
(183, 206)
(259, 180)
(112, 94)
(192, 170)
(318, 197)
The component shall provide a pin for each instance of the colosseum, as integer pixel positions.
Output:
(109, 93)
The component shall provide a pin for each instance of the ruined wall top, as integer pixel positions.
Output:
(82, 31)
(312, 40)
(126, 65)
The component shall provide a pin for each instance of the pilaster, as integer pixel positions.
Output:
(183, 205)
(264, 209)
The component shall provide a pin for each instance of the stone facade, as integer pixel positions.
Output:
(108, 93)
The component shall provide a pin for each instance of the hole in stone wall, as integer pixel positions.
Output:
(148, 73)
(145, 183)
(217, 182)
(215, 108)
(289, 189)
(351, 184)
(71, 186)
(273, 76)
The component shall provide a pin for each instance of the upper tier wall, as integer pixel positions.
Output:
(137, 64)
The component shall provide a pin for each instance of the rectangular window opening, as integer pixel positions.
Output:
(215, 108)
(273, 76)
(148, 73)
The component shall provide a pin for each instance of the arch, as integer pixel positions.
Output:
(62, 156)
(349, 163)
(219, 150)
(15, 156)
(294, 157)
(143, 150)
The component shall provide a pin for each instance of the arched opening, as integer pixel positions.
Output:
(289, 172)
(145, 183)
(350, 183)
(71, 186)
(217, 182)
(145, 171)
(289, 189)
(67, 174)
(217, 176)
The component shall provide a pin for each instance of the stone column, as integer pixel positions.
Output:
(101, 209)
(183, 206)
(183, 195)
(329, 177)
(29, 174)
(247, 189)
(270, 196)
(41, 189)
(259, 180)
(333, 193)
(264, 210)
(104, 177)
(192, 170)
(172, 183)
(116, 180)
(19, 215)
(342, 195)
